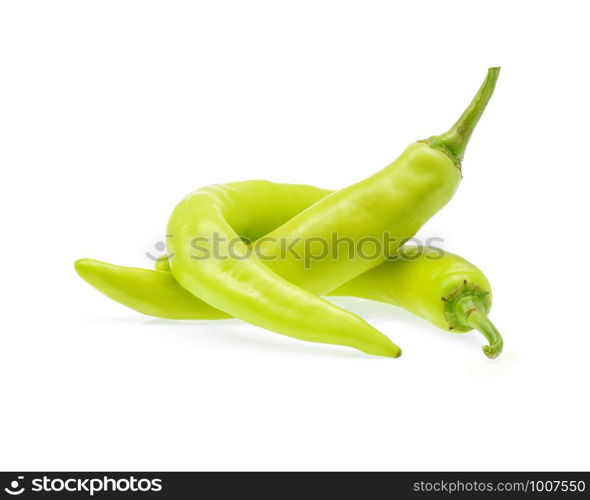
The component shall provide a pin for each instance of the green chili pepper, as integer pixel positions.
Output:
(439, 286)
(155, 293)
(395, 203)
(418, 281)
(207, 230)
(276, 296)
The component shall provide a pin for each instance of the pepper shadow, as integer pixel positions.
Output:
(233, 333)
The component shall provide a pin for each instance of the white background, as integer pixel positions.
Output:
(111, 111)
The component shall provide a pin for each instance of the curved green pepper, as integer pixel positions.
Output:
(245, 287)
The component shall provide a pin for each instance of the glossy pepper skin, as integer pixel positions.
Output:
(417, 281)
(283, 296)
(395, 202)
(241, 285)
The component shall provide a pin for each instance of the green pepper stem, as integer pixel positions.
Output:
(454, 142)
(478, 319)
(470, 312)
